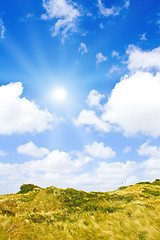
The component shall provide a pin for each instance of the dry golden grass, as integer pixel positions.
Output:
(34, 213)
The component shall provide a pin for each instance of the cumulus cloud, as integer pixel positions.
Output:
(116, 169)
(90, 119)
(57, 167)
(2, 153)
(98, 150)
(2, 29)
(32, 150)
(134, 104)
(83, 48)
(66, 13)
(94, 98)
(143, 60)
(61, 170)
(152, 164)
(147, 150)
(100, 58)
(18, 114)
(114, 10)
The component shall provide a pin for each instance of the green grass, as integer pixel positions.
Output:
(131, 213)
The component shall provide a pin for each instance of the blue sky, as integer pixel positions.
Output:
(79, 93)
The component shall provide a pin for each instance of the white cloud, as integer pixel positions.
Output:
(114, 10)
(143, 37)
(100, 58)
(127, 4)
(89, 118)
(27, 17)
(2, 153)
(134, 104)
(127, 150)
(116, 170)
(151, 151)
(98, 150)
(2, 29)
(66, 13)
(19, 115)
(115, 54)
(101, 25)
(152, 165)
(143, 60)
(114, 68)
(83, 48)
(60, 170)
(94, 98)
(57, 167)
(32, 150)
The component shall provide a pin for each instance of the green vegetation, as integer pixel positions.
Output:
(25, 188)
(130, 213)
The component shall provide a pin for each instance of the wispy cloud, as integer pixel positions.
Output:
(101, 25)
(114, 10)
(2, 29)
(143, 37)
(83, 48)
(2, 153)
(66, 13)
(27, 17)
(100, 58)
(127, 150)
(114, 68)
(115, 54)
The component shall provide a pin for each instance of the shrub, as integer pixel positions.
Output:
(144, 182)
(156, 182)
(122, 187)
(151, 192)
(25, 188)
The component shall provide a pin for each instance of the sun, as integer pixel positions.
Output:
(59, 94)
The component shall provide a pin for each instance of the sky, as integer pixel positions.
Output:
(79, 93)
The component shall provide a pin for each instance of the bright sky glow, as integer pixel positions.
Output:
(79, 93)
(59, 94)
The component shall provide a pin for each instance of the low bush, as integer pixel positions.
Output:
(25, 188)
(151, 192)
(156, 182)
(122, 187)
(144, 182)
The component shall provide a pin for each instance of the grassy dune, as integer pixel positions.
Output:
(131, 212)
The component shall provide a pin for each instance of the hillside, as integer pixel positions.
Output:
(131, 212)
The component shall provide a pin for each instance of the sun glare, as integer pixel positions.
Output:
(59, 94)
